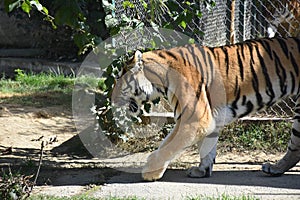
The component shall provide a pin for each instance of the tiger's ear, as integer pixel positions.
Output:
(138, 56)
(144, 84)
(138, 63)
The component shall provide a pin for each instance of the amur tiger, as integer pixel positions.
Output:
(209, 88)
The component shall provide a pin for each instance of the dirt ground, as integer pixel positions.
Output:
(68, 166)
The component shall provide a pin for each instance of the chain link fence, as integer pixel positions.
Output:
(230, 22)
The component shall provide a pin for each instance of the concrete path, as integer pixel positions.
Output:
(176, 185)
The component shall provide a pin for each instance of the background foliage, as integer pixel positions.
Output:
(92, 21)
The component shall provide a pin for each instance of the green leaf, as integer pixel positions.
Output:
(109, 81)
(191, 41)
(37, 4)
(26, 7)
(145, 5)
(45, 10)
(128, 4)
(10, 5)
(183, 24)
(187, 3)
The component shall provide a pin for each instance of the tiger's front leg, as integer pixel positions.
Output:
(181, 137)
(208, 151)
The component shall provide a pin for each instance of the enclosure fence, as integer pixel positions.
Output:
(230, 22)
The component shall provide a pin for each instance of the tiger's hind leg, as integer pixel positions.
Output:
(208, 152)
(292, 156)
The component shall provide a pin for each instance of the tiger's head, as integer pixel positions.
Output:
(133, 88)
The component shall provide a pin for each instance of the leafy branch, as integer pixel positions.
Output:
(27, 6)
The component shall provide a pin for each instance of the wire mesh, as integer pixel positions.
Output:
(233, 21)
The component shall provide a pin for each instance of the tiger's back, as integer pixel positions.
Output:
(258, 73)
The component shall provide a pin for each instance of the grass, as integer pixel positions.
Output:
(36, 89)
(224, 197)
(30, 83)
(256, 135)
(82, 197)
(14, 185)
(267, 136)
(86, 197)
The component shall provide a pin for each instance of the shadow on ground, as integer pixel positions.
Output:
(239, 178)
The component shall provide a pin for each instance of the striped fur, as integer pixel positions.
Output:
(211, 87)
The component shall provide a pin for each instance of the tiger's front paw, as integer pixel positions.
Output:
(155, 167)
(152, 175)
(205, 168)
(199, 172)
(272, 170)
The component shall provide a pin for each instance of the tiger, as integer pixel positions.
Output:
(208, 88)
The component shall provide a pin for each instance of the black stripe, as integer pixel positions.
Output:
(171, 100)
(295, 65)
(128, 81)
(203, 57)
(297, 40)
(159, 90)
(295, 132)
(240, 63)
(200, 69)
(203, 53)
(160, 53)
(199, 90)
(175, 109)
(242, 47)
(180, 115)
(297, 110)
(284, 47)
(166, 91)
(211, 65)
(255, 81)
(280, 71)
(191, 50)
(171, 54)
(296, 117)
(290, 149)
(237, 87)
(176, 105)
(293, 83)
(167, 83)
(269, 89)
(129, 61)
(244, 100)
(226, 59)
(249, 109)
(234, 103)
(266, 45)
(182, 56)
(153, 72)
